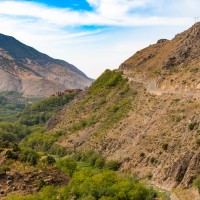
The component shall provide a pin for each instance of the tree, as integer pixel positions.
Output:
(67, 165)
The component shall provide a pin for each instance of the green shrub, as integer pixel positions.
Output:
(67, 165)
(153, 160)
(30, 156)
(4, 169)
(107, 185)
(16, 148)
(149, 175)
(198, 142)
(49, 160)
(41, 183)
(192, 126)
(40, 112)
(11, 155)
(196, 183)
(165, 146)
(12, 132)
(99, 163)
(112, 165)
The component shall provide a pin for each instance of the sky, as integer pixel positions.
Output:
(95, 35)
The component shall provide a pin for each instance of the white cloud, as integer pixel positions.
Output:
(107, 12)
(58, 32)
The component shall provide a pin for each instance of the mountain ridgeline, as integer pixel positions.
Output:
(34, 74)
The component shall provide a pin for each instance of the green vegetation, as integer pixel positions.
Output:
(12, 104)
(112, 165)
(23, 155)
(40, 112)
(165, 146)
(67, 165)
(12, 132)
(193, 126)
(4, 169)
(49, 160)
(89, 184)
(107, 185)
(42, 141)
(196, 183)
(30, 156)
(104, 109)
(96, 160)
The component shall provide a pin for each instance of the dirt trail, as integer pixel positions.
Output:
(153, 88)
(169, 194)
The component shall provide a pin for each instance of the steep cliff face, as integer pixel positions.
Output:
(32, 73)
(148, 118)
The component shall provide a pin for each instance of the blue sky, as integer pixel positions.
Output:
(95, 34)
(72, 4)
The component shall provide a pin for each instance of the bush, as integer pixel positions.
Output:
(107, 186)
(12, 132)
(30, 156)
(16, 148)
(99, 163)
(112, 165)
(196, 183)
(153, 160)
(165, 146)
(41, 183)
(11, 155)
(4, 169)
(192, 126)
(67, 165)
(50, 160)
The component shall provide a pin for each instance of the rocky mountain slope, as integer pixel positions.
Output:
(148, 118)
(25, 70)
(170, 65)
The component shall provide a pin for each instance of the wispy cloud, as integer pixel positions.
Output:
(106, 12)
(97, 38)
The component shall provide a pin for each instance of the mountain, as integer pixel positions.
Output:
(27, 71)
(171, 65)
(146, 114)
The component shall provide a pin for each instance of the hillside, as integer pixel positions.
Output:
(12, 104)
(34, 74)
(146, 114)
(169, 66)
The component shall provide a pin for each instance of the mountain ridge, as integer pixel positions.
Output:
(24, 64)
(167, 60)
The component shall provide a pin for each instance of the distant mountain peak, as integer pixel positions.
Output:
(25, 64)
